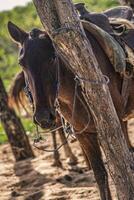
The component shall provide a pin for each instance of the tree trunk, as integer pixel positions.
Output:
(61, 22)
(127, 3)
(15, 132)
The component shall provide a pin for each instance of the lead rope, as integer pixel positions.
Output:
(85, 107)
(66, 128)
(77, 80)
(57, 106)
(69, 127)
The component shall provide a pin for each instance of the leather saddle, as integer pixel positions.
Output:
(118, 47)
(103, 21)
(99, 19)
(111, 48)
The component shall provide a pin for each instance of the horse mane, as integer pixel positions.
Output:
(16, 93)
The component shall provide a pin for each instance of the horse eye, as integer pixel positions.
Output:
(21, 63)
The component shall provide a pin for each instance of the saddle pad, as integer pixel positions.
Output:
(111, 48)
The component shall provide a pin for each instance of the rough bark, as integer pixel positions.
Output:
(14, 129)
(127, 3)
(61, 22)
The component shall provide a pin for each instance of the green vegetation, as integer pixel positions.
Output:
(26, 18)
(98, 5)
(3, 137)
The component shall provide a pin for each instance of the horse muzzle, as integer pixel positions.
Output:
(45, 119)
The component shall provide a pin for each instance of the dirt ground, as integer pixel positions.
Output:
(37, 179)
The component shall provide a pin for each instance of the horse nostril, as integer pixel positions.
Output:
(39, 120)
(52, 117)
(44, 121)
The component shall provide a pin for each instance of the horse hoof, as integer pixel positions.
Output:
(72, 161)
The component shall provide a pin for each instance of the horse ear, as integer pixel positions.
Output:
(16, 33)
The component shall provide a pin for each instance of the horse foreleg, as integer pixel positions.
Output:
(86, 159)
(72, 160)
(56, 154)
(92, 150)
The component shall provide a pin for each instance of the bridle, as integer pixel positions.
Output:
(28, 94)
(68, 129)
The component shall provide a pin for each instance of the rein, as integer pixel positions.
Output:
(68, 129)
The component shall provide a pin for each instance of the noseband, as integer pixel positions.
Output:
(66, 128)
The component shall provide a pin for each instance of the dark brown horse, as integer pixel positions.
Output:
(44, 70)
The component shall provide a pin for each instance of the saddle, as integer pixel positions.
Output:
(114, 31)
(120, 32)
(111, 48)
(103, 19)
(99, 19)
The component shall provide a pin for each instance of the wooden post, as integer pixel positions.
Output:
(62, 23)
(15, 132)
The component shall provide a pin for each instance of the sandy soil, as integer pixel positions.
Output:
(37, 179)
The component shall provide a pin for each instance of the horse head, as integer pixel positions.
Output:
(38, 61)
